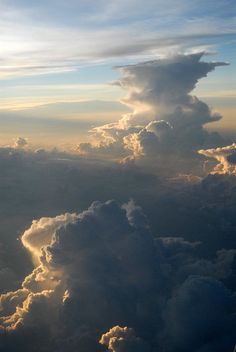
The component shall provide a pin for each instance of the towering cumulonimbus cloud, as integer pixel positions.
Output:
(100, 276)
(157, 88)
(166, 119)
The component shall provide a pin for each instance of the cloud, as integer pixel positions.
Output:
(94, 255)
(20, 142)
(155, 135)
(40, 39)
(161, 83)
(167, 122)
(40, 233)
(226, 157)
(161, 87)
(42, 184)
(120, 339)
(197, 311)
(101, 276)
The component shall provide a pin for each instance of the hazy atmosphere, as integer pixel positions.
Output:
(117, 176)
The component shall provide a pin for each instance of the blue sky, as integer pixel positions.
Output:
(61, 36)
(64, 51)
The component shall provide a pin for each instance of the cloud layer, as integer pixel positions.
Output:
(103, 279)
(100, 276)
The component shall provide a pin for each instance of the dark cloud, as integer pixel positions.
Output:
(102, 269)
(199, 317)
(232, 158)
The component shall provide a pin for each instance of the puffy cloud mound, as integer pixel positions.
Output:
(102, 268)
(120, 339)
(40, 233)
(85, 272)
(166, 119)
(226, 157)
(20, 142)
(156, 135)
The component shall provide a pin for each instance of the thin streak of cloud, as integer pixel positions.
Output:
(30, 47)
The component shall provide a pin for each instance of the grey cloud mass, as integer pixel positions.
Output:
(101, 276)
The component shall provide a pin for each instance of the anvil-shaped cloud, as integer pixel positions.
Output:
(167, 122)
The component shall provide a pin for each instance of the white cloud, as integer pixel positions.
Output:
(41, 231)
(120, 339)
(166, 127)
(225, 156)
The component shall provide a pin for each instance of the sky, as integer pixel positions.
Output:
(56, 52)
(117, 176)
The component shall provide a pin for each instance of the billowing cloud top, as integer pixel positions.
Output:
(120, 339)
(164, 82)
(166, 125)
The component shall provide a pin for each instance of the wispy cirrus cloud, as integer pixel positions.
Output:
(52, 38)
